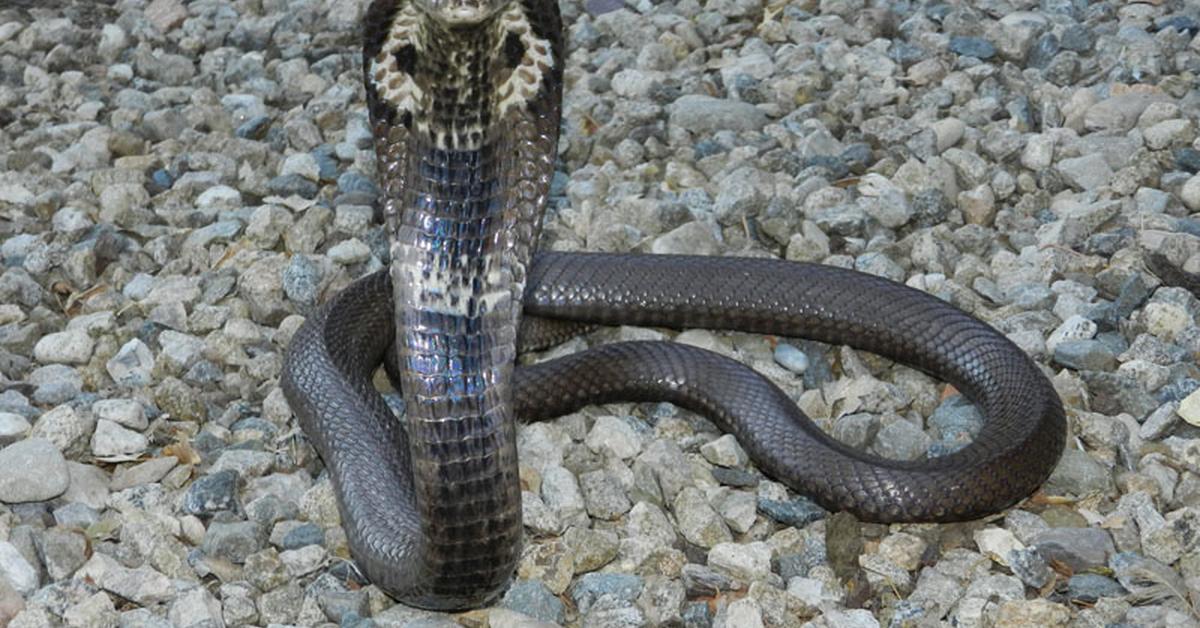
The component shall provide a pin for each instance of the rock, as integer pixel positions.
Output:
(901, 440)
(614, 437)
(1078, 473)
(232, 541)
(143, 585)
(303, 561)
(560, 490)
(211, 494)
(725, 451)
(110, 439)
(695, 238)
(132, 365)
(13, 427)
(62, 552)
(95, 610)
(32, 470)
(166, 14)
(16, 570)
(532, 598)
(196, 608)
(746, 562)
(1089, 587)
(126, 412)
(1087, 172)
(697, 521)
(1085, 355)
(603, 495)
(1028, 565)
(744, 612)
(592, 549)
(972, 47)
(1190, 193)
(67, 429)
(590, 588)
(791, 358)
(705, 114)
(73, 346)
(1078, 548)
(1119, 113)
(797, 512)
(350, 251)
(1037, 612)
(1189, 408)
(996, 543)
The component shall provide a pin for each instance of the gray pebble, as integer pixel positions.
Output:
(32, 470)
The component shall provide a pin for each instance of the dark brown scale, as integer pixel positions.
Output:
(431, 506)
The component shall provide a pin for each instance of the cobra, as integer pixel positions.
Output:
(464, 99)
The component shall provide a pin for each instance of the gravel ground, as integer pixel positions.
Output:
(181, 182)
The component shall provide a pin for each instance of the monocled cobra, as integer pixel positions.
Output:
(464, 98)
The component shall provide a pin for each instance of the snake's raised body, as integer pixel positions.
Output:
(465, 99)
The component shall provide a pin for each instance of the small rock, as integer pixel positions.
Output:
(1036, 612)
(32, 470)
(603, 495)
(746, 562)
(589, 588)
(132, 365)
(532, 598)
(1085, 355)
(1087, 172)
(797, 512)
(303, 561)
(73, 346)
(614, 437)
(996, 543)
(1089, 587)
(233, 541)
(1190, 193)
(697, 521)
(143, 585)
(110, 439)
(95, 610)
(14, 568)
(13, 427)
(212, 494)
(146, 472)
(725, 451)
(705, 114)
(972, 47)
(196, 609)
(1078, 548)
(62, 552)
(126, 412)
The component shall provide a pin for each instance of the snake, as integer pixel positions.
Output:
(464, 99)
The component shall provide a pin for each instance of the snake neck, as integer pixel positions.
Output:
(466, 121)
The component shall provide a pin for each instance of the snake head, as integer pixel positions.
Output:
(453, 12)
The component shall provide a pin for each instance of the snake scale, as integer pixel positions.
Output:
(465, 98)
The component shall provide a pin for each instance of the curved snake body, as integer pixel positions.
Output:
(465, 103)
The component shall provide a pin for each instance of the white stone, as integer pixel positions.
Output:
(65, 347)
(110, 439)
(996, 543)
(1189, 408)
(127, 412)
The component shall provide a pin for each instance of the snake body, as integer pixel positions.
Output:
(465, 100)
